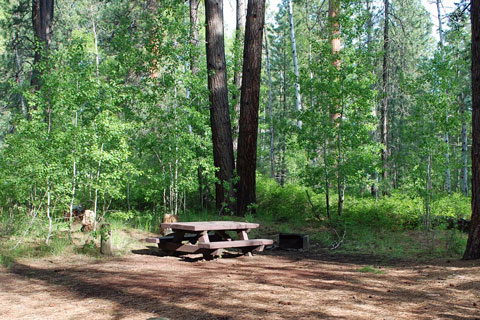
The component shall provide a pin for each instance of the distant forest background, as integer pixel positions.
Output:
(364, 112)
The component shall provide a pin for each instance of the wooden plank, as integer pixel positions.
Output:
(187, 237)
(179, 247)
(210, 225)
(236, 244)
(153, 240)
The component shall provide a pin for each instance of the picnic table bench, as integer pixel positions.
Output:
(209, 237)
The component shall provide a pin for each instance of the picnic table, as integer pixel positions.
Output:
(209, 237)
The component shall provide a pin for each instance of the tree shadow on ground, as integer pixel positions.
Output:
(186, 257)
(88, 283)
(326, 255)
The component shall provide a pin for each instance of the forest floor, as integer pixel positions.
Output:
(276, 284)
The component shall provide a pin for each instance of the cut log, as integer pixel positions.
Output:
(106, 240)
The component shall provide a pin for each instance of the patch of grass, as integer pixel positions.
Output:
(370, 269)
(6, 260)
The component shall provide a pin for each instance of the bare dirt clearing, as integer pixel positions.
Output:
(273, 285)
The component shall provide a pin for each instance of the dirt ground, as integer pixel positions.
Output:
(275, 284)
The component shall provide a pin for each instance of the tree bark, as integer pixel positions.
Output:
(219, 108)
(249, 102)
(384, 105)
(473, 243)
(42, 21)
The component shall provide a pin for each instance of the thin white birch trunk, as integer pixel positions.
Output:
(428, 188)
(448, 179)
(464, 147)
(298, 99)
(74, 180)
(94, 30)
(49, 216)
(270, 108)
(96, 189)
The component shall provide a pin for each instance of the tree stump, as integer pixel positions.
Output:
(106, 240)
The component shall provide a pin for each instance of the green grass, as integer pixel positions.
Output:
(370, 269)
(6, 260)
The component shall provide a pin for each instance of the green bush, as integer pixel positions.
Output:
(282, 204)
(455, 205)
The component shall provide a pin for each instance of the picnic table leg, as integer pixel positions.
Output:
(177, 238)
(243, 235)
(204, 237)
(210, 254)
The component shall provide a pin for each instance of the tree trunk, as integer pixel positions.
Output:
(283, 78)
(42, 20)
(464, 169)
(74, 179)
(237, 75)
(249, 102)
(19, 71)
(327, 183)
(195, 41)
(270, 108)
(219, 108)
(473, 243)
(194, 35)
(95, 202)
(333, 8)
(448, 179)
(384, 106)
(428, 188)
(95, 41)
(298, 99)
(49, 216)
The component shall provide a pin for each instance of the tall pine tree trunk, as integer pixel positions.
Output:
(249, 103)
(219, 108)
(42, 21)
(473, 244)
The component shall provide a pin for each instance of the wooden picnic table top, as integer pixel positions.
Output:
(210, 225)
